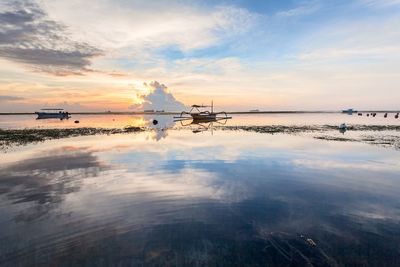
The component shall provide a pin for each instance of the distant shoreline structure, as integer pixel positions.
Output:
(229, 112)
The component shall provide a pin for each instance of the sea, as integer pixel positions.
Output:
(184, 194)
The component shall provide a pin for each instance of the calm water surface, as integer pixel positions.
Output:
(118, 121)
(227, 199)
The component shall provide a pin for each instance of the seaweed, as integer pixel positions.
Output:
(15, 137)
(12, 137)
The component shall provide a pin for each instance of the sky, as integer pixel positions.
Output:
(125, 55)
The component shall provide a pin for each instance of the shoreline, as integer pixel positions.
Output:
(228, 112)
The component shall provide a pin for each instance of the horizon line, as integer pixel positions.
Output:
(230, 112)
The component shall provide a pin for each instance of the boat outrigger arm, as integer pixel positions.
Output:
(197, 113)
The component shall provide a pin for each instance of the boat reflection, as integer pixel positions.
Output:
(199, 125)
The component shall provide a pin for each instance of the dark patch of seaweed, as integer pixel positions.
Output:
(386, 141)
(9, 138)
(383, 140)
(15, 137)
(309, 128)
(335, 138)
(271, 129)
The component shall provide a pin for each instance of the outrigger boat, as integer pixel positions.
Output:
(202, 119)
(198, 114)
(53, 113)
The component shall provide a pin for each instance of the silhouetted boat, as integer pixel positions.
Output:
(198, 114)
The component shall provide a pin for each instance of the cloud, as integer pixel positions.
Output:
(365, 38)
(132, 27)
(158, 98)
(380, 3)
(9, 98)
(338, 53)
(299, 11)
(64, 37)
(20, 104)
(28, 36)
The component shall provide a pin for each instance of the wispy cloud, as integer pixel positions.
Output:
(351, 53)
(130, 27)
(380, 3)
(28, 36)
(302, 10)
(9, 98)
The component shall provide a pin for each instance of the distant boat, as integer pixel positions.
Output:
(349, 111)
(53, 113)
(149, 110)
(255, 110)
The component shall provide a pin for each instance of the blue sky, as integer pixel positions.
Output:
(243, 54)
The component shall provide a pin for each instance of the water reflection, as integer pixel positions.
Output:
(44, 180)
(202, 125)
(120, 121)
(235, 199)
(160, 124)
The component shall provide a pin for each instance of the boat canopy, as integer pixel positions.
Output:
(52, 109)
(200, 106)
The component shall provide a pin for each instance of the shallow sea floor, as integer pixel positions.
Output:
(233, 198)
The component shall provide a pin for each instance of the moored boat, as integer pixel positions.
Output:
(199, 113)
(52, 113)
(349, 111)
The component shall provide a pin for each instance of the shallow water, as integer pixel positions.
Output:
(175, 198)
(118, 121)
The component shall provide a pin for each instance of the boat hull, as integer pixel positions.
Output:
(199, 116)
(46, 115)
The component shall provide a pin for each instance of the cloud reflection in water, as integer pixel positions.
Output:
(45, 179)
(190, 200)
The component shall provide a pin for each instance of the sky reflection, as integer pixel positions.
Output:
(166, 121)
(193, 200)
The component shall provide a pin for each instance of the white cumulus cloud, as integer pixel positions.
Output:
(157, 98)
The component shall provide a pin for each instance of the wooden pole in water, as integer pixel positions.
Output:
(212, 106)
